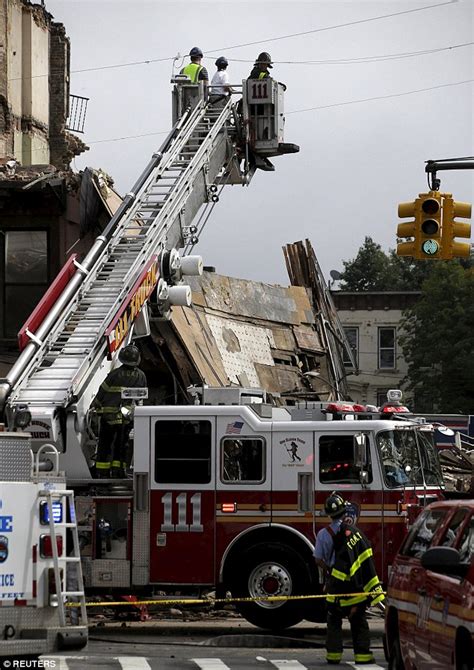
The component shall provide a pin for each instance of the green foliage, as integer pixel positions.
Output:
(438, 331)
(374, 270)
(438, 341)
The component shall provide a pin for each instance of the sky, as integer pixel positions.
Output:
(367, 112)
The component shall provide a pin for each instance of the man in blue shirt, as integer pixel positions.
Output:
(335, 508)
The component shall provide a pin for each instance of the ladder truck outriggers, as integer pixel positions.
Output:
(226, 491)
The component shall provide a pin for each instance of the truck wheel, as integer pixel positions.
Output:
(271, 570)
(395, 660)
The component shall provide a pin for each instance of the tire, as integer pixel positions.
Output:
(395, 660)
(271, 570)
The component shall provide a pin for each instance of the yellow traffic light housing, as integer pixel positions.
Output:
(453, 228)
(430, 225)
(424, 230)
(408, 229)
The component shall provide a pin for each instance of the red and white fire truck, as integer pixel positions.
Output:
(227, 493)
(230, 495)
(95, 306)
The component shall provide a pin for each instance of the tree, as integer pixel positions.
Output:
(374, 270)
(438, 341)
(368, 271)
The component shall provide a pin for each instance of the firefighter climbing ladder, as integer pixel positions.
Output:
(60, 563)
(71, 338)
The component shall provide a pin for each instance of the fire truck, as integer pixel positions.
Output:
(225, 493)
(133, 273)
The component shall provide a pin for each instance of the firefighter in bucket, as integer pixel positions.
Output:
(116, 414)
(345, 554)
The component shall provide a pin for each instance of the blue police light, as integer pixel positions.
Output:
(57, 512)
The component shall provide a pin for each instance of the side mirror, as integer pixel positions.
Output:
(360, 451)
(444, 560)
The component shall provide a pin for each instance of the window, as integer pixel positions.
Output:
(242, 460)
(449, 538)
(420, 536)
(386, 348)
(352, 336)
(25, 276)
(183, 452)
(336, 460)
(466, 544)
(381, 397)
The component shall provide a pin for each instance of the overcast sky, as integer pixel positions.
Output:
(359, 156)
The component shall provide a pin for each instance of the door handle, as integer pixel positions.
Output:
(421, 591)
(438, 597)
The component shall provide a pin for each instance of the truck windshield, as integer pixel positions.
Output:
(408, 458)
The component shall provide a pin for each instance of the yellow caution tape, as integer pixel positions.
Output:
(213, 601)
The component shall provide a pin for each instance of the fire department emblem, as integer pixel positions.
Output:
(3, 548)
(352, 514)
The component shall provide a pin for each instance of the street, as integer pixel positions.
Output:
(217, 642)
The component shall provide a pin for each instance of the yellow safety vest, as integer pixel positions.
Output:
(263, 75)
(192, 70)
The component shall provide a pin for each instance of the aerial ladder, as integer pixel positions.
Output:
(135, 262)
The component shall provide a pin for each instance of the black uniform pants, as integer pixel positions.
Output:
(112, 445)
(359, 630)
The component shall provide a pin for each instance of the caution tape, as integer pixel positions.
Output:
(215, 601)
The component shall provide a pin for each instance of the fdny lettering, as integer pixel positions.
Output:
(353, 540)
(7, 580)
(6, 524)
(118, 330)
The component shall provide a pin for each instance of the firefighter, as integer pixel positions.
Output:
(194, 70)
(116, 413)
(260, 68)
(345, 554)
(220, 89)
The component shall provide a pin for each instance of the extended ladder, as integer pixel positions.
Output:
(70, 342)
(63, 562)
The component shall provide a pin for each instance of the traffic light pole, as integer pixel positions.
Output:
(432, 167)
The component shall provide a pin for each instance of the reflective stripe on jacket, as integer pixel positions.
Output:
(354, 569)
(108, 400)
(192, 70)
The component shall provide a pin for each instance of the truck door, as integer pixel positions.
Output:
(293, 479)
(336, 470)
(182, 499)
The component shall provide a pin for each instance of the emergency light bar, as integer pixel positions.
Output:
(57, 512)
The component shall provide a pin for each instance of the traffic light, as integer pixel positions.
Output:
(453, 228)
(430, 242)
(408, 229)
(425, 229)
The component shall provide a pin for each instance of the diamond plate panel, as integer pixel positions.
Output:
(110, 573)
(15, 457)
(141, 548)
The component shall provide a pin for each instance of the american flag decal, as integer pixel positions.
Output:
(234, 428)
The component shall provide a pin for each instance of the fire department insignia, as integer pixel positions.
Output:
(3, 548)
(352, 514)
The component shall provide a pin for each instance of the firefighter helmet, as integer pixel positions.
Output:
(264, 58)
(222, 62)
(130, 356)
(196, 52)
(335, 506)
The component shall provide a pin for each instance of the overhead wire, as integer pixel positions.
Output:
(311, 109)
(333, 27)
(275, 39)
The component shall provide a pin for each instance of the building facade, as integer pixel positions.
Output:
(372, 323)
